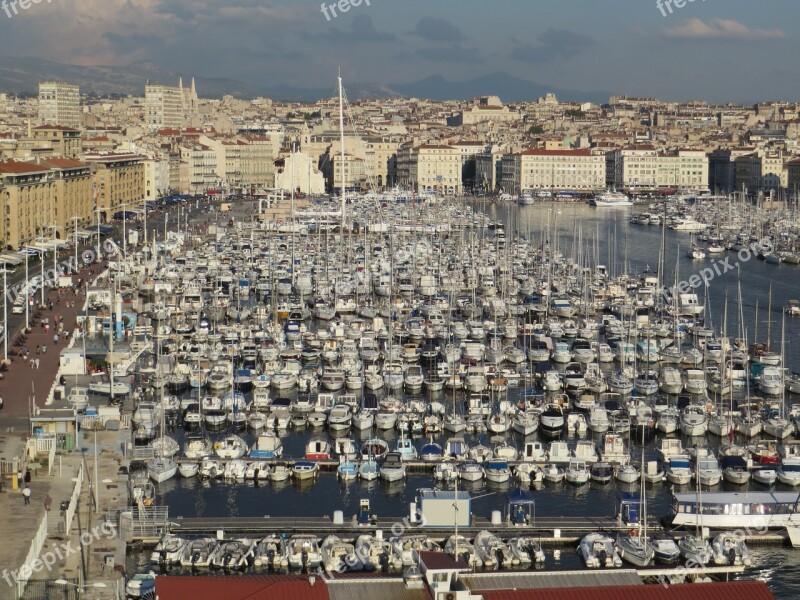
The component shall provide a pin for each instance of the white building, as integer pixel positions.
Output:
(300, 172)
(544, 169)
(644, 167)
(60, 104)
(168, 107)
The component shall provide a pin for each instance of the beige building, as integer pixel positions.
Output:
(645, 167)
(27, 193)
(119, 182)
(487, 168)
(543, 169)
(761, 170)
(355, 172)
(198, 169)
(156, 177)
(65, 141)
(73, 197)
(379, 156)
(486, 109)
(430, 167)
(60, 104)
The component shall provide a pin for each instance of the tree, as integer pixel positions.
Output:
(573, 113)
(536, 130)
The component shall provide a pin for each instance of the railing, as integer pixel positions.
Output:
(43, 445)
(26, 568)
(146, 522)
(69, 514)
(125, 420)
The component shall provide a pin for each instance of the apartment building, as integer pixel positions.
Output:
(60, 104)
(64, 141)
(27, 194)
(543, 169)
(198, 169)
(354, 175)
(761, 170)
(73, 200)
(643, 167)
(118, 182)
(430, 167)
(163, 107)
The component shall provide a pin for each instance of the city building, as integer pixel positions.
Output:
(543, 169)
(27, 193)
(169, 107)
(60, 104)
(643, 167)
(118, 182)
(763, 169)
(64, 141)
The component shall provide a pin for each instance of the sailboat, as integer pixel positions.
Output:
(637, 548)
(161, 468)
(694, 547)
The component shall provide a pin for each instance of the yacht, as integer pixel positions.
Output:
(611, 199)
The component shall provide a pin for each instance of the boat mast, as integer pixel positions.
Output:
(341, 140)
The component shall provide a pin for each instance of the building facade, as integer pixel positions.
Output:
(543, 169)
(118, 182)
(163, 107)
(60, 104)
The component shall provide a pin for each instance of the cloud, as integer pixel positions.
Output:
(435, 29)
(455, 53)
(361, 30)
(719, 29)
(554, 44)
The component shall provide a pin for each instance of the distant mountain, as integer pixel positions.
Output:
(24, 74)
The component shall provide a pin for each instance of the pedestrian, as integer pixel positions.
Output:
(19, 477)
(27, 476)
(1, 403)
(47, 328)
(37, 362)
(44, 349)
(37, 348)
(48, 502)
(33, 363)
(55, 339)
(26, 494)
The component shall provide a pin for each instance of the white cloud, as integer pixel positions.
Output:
(719, 29)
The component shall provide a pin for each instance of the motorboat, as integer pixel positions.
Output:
(280, 472)
(460, 547)
(729, 548)
(168, 550)
(407, 547)
(526, 550)
(233, 554)
(197, 553)
(305, 469)
(339, 556)
(303, 552)
(270, 552)
(492, 551)
(577, 472)
(231, 446)
(377, 553)
(393, 468)
(497, 471)
(267, 446)
(598, 551)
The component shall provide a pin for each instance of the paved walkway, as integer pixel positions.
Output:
(21, 382)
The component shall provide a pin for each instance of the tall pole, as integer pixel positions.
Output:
(41, 262)
(27, 291)
(5, 313)
(96, 486)
(75, 266)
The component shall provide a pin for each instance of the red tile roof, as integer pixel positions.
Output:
(64, 163)
(20, 168)
(258, 587)
(737, 590)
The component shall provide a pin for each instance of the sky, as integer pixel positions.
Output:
(716, 50)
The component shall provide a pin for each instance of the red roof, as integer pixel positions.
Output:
(263, 587)
(736, 590)
(55, 127)
(64, 163)
(440, 561)
(20, 168)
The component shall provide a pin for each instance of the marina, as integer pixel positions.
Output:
(243, 398)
